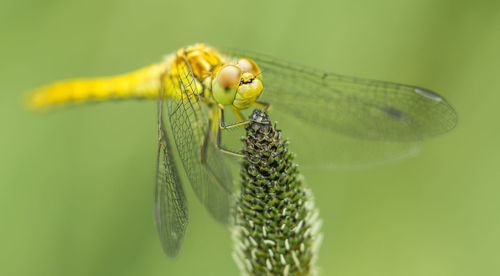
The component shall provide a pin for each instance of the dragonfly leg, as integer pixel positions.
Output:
(267, 106)
(237, 113)
(223, 126)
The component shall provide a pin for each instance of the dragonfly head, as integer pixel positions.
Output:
(238, 85)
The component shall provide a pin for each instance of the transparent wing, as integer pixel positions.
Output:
(378, 120)
(204, 165)
(171, 213)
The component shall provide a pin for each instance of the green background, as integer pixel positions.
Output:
(76, 184)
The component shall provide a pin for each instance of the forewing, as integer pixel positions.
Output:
(205, 168)
(378, 120)
(171, 213)
(363, 108)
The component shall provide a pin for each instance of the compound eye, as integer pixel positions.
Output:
(248, 65)
(229, 76)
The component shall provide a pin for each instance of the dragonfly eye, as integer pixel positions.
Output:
(229, 76)
(248, 66)
(226, 83)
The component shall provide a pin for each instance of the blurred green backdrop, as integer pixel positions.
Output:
(76, 184)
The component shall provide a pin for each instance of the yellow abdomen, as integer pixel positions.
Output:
(143, 83)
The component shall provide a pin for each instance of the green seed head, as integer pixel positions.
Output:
(276, 231)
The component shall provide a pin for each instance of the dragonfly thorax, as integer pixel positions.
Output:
(201, 59)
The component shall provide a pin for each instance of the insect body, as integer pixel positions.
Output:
(197, 84)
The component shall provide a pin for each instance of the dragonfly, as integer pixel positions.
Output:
(197, 85)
